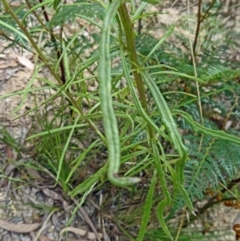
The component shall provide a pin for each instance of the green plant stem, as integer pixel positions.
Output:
(132, 55)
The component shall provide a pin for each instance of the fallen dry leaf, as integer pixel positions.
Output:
(81, 232)
(44, 238)
(25, 62)
(19, 228)
(58, 226)
(8, 62)
(10, 167)
(228, 124)
(7, 237)
(52, 194)
(33, 173)
(81, 239)
(10, 153)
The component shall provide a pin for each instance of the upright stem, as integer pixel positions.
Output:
(132, 55)
(200, 19)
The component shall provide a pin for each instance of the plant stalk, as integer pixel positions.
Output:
(132, 55)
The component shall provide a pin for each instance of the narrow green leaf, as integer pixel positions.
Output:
(147, 208)
(60, 162)
(176, 139)
(56, 3)
(84, 186)
(160, 209)
(151, 1)
(35, 7)
(14, 30)
(187, 76)
(159, 43)
(167, 198)
(214, 133)
(80, 159)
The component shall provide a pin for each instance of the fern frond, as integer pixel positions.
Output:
(218, 73)
(219, 164)
(69, 12)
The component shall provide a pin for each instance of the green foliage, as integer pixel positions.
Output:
(69, 12)
(217, 162)
(150, 90)
(158, 235)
